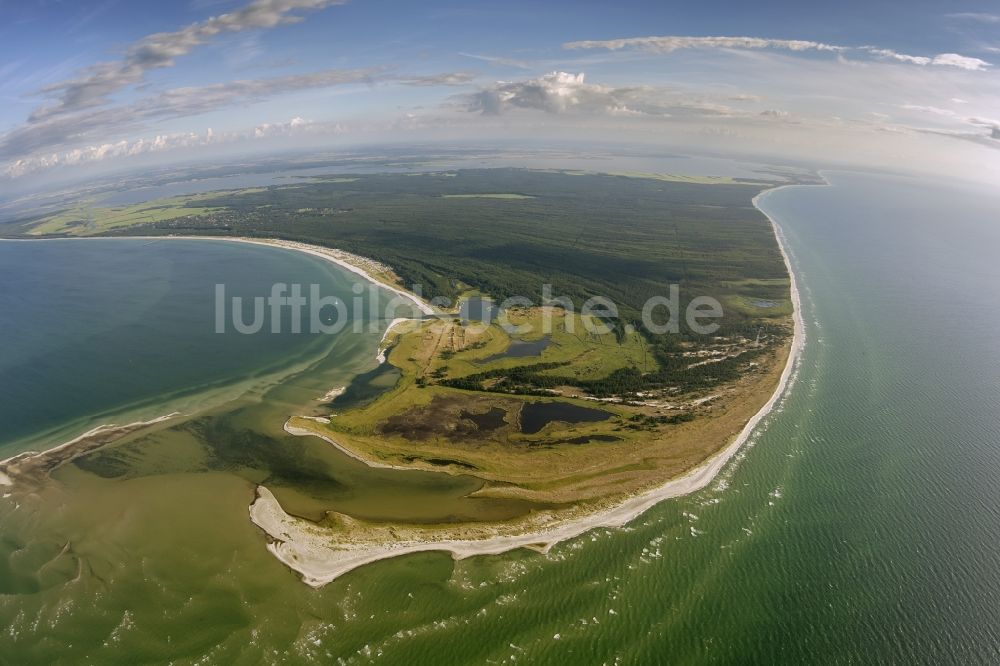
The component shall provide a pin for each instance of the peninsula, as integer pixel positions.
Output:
(587, 418)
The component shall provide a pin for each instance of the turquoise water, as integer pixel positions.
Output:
(859, 525)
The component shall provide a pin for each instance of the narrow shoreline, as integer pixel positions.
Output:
(32, 463)
(341, 258)
(309, 551)
(305, 432)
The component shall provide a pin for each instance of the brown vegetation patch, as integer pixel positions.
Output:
(452, 417)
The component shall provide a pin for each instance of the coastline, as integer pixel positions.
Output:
(305, 432)
(32, 463)
(35, 463)
(312, 552)
(357, 264)
(350, 262)
(383, 349)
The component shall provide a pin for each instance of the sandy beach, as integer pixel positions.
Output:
(34, 464)
(353, 263)
(362, 266)
(319, 559)
(382, 347)
(305, 432)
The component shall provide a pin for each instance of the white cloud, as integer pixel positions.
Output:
(988, 123)
(900, 57)
(92, 85)
(978, 17)
(933, 110)
(97, 124)
(497, 60)
(960, 61)
(669, 44)
(562, 92)
(161, 143)
(99, 152)
(280, 129)
(977, 122)
(61, 134)
(446, 79)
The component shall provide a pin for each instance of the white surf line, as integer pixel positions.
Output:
(308, 551)
(5, 480)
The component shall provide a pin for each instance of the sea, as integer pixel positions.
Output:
(860, 524)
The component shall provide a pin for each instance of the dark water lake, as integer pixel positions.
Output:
(491, 419)
(519, 349)
(537, 415)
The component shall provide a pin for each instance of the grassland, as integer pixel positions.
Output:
(423, 423)
(89, 218)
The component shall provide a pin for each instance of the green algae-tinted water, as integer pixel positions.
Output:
(859, 525)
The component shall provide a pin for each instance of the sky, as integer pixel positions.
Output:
(87, 85)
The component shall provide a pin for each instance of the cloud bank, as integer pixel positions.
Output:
(669, 44)
(562, 92)
(160, 143)
(96, 124)
(827, 89)
(94, 84)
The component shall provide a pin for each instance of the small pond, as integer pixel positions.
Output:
(519, 349)
(488, 420)
(537, 415)
(478, 309)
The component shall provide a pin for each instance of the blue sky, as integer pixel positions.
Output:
(109, 82)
